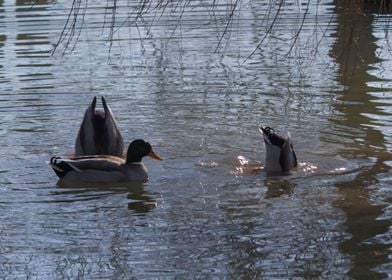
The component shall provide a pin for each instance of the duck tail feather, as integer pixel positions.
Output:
(61, 167)
(74, 167)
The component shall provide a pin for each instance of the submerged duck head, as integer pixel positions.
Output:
(138, 149)
(280, 154)
(98, 133)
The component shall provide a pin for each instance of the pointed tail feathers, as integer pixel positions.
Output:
(61, 166)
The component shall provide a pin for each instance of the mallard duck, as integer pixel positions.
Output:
(98, 133)
(106, 168)
(280, 154)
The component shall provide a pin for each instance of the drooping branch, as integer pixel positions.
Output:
(271, 26)
(75, 20)
(68, 32)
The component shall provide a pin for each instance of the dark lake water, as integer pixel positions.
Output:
(189, 78)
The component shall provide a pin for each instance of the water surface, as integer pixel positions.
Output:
(182, 79)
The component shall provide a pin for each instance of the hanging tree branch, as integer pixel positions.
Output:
(75, 20)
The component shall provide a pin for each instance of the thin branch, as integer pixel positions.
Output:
(299, 29)
(268, 31)
(230, 19)
(112, 24)
(81, 26)
(63, 33)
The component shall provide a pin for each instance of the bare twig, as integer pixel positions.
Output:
(268, 31)
(63, 32)
(299, 29)
(229, 21)
(112, 25)
(157, 9)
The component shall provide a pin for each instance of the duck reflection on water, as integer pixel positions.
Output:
(139, 200)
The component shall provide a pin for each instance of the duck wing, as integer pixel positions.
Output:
(287, 157)
(62, 166)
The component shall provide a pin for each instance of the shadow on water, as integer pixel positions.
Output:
(277, 187)
(355, 52)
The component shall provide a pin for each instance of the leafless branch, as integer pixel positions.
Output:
(230, 19)
(268, 31)
(299, 29)
(76, 18)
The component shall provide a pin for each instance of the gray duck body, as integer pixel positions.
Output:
(106, 168)
(99, 133)
(280, 153)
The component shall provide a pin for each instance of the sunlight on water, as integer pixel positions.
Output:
(340, 169)
(243, 160)
(243, 166)
(307, 167)
(182, 77)
(208, 164)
